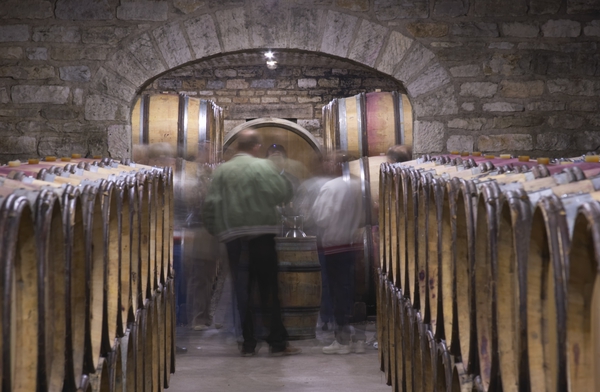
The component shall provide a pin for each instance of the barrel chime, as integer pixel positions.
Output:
(87, 281)
(488, 276)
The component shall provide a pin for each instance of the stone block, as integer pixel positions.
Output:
(432, 79)
(503, 107)
(478, 89)
(594, 119)
(565, 121)
(394, 51)
(415, 61)
(350, 83)
(495, 8)
(84, 10)
(242, 112)
(119, 141)
(230, 124)
(237, 84)
(223, 100)
(583, 6)
(442, 102)
(269, 100)
(206, 93)
(21, 113)
(40, 94)
(100, 108)
(170, 84)
(368, 43)
(189, 6)
(89, 52)
(78, 96)
(309, 99)
(28, 73)
(466, 71)
(586, 140)
(105, 35)
(475, 29)
(193, 84)
(544, 7)
(460, 143)
(263, 83)
(552, 141)
(153, 11)
(501, 45)
(521, 30)
(307, 83)
(203, 36)
(572, 87)
(517, 122)
(37, 53)
(14, 33)
(270, 24)
(428, 137)
(59, 112)
(11, 53)
(545, 106)
(113, 85)
(26, 9)
(255, 72)
(328, 82)
(142, 49)
(451, 8)
(75, 73)
(508, 64)
(289, 99)
(428, 30)
(339, 32)
(471, 123)
(528, 89)
(583, 106)
(125, 65)
(505, 143)
(172, 45)
(386, 10)
(233, 27)
(353, 5)
(468, 106)
(215, 84)
(306, 24)
(65, 34)
(312, 125)
(592, 29)
(4, 95)
(12, 145)
(561, 28)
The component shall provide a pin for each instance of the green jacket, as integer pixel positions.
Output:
(242, 198)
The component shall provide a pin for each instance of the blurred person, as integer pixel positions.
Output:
(339, 214)
(399, 153)
(240, 210)
(277, 154)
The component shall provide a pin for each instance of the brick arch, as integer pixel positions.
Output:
(193, 38)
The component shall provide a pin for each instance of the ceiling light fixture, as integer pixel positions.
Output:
(272, 64)
(269, 55)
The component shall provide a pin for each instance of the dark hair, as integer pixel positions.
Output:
(399, 153)
(276, 148)
(247, 139)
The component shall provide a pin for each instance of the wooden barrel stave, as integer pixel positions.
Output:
(448, 269)
(398, 228)
(398, 304)
(434, 252)
(423, 191)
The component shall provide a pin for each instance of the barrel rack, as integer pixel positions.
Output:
(488, 276)
(87, 279)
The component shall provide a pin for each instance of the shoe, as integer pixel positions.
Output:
(337, 348)
(325, 327)
(180, 350)
(248, 353)
(201, 327)
(218, 325)
(359, 347)
(289, 350)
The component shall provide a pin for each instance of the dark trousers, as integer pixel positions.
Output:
(340, 273)
(262, 274)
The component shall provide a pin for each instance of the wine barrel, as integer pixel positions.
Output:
(486, 276)
(423, 191)
(513, 242)
(128, 363)
(299, 280)
(444, 365)
(100, 379)
(461, 380)
(583, 301)
(20, 302)
(546, 318)
(398, 304)
(464, 250)
(448, 269)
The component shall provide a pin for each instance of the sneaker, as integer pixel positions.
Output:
(289, 350)
(359, 347)
(336, 348)
(248, 353)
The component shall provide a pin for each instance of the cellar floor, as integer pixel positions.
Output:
(213, 363)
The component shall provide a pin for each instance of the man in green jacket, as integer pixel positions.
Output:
(240, 210)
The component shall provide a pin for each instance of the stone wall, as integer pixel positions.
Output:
(296, 93)
(490, 75)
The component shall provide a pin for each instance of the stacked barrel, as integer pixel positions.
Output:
(488, 276)
(86, 280)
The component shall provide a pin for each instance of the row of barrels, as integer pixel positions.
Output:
(488, 276)
(86, 283)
